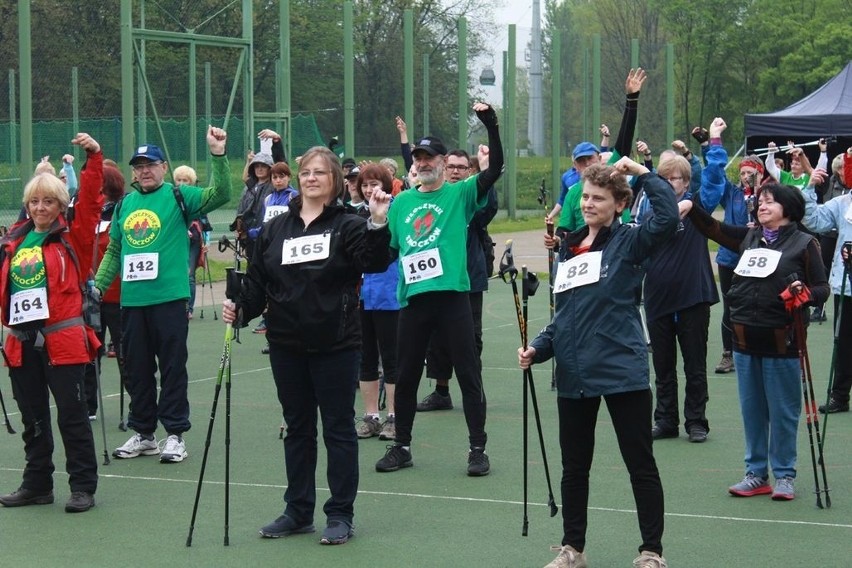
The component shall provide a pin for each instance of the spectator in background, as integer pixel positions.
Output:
(573, 175)
(379, 316)
(679, 289)
(834, 214)
(391, 165)
(738, 201)
(198, 231)
(113, 190)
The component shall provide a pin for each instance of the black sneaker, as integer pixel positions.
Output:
(435, 401)
(477, 462)
(395, 458)
(21, 497)
(337, 532)
(833, 406)
(659, 432)
(818, 315)
(79, 502)
(285, 526)
(697, 434)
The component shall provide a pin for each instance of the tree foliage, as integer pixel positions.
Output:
(732, 57)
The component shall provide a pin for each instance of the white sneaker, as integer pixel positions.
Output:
(650, 559)
(174, 450)
(136, 446)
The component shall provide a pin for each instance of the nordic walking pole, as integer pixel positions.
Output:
(232, 286)
(507, 268)
(225, 360)
(5, 414)
(210, 283)
(97, 365)
(795, 298)
(542, 198)
(122, 424)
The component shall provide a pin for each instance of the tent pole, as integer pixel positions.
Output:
(734, 157)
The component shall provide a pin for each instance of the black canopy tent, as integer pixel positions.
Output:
(825, 113)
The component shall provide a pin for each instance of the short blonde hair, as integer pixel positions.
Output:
(44, 168)
(675, 165)
(185, 171)
(49, 186)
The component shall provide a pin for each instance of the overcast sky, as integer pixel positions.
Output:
(518, 12)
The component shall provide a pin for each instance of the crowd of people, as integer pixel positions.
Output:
(353, 259)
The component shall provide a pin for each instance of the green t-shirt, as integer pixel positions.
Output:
(788, 179)
(154, 245)
(429, 229)
(572, 213)
(26, 271)
(152, 227)
(28, 276)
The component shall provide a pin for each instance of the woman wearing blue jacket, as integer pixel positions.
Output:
(379, 315)
(597, 339)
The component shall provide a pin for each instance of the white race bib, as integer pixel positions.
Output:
(273, 211)
(758, 262)
(140, 266)
(28, 305)
(581, 270)
(306, 249)
(422, 265)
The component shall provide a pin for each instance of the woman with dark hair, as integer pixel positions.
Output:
(44, 261)
(774, 256)
(597, 339)
(379, 317)
(307, 267)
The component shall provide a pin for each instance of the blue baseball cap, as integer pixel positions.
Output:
(584, 149)
(148, 152)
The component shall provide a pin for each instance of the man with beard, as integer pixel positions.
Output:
(429, 230)
(438, 364)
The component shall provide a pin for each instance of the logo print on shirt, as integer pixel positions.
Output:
(141, 228)
(27, 267)
(423, 225)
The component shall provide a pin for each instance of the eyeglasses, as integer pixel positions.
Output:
(315, 173)
(458, 168)
(145, 166)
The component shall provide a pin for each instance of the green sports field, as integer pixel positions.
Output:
(431, 515)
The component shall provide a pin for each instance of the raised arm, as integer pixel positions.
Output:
(493, 152)
(632, 86)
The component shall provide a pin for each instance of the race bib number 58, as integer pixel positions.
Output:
(758, 263)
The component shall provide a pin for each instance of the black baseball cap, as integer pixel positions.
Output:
(432, 145)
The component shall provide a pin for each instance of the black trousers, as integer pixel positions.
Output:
(152, 337)
(32, 385)
(110, 320)
(309, 384)
(843, 353)
(631, 418)
(726, 274)
(378, 337)
(439, 364)
(448, 315)
(689, 328)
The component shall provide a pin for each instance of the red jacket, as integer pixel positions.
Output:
(76, 343)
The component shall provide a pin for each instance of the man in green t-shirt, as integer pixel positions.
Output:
(428, 228)
(149, 250)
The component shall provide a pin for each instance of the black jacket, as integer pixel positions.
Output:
(313, 306)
